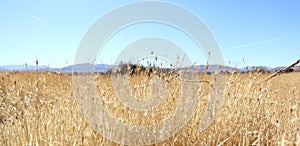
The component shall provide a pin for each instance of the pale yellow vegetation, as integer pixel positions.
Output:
(41, 109)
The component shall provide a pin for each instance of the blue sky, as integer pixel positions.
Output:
(260, 32)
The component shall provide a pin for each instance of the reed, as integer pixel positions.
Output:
(42, 110)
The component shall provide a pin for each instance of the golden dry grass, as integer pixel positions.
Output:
(41, 109)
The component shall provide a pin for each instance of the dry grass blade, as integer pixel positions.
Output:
(282, 70)
(201, 81)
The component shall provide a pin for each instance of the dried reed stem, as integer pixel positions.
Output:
(282, 70)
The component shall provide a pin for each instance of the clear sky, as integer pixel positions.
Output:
(260, 32)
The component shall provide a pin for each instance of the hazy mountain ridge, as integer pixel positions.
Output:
(106, 67)
(21, 67)
(98, 67)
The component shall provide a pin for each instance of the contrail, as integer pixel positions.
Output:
(254, 44)
(37, 18)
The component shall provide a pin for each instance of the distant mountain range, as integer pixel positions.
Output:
(21, 67)
(105, 68)
(67, 69)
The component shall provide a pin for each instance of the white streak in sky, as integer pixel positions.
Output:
(37, 18)
(254, 43)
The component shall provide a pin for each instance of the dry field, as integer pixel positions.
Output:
(41, 109)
